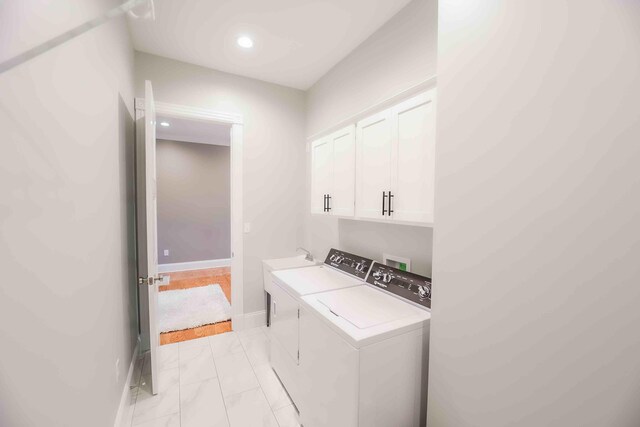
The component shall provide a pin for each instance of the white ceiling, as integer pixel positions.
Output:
(186, 130)
(295, 41)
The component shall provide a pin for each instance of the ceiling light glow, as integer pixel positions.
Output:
(245, 42)
(165, 124)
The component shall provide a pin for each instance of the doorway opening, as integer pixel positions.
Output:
(193, 173)
(228, 272)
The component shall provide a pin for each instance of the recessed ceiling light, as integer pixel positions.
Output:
(165, 124)
(245, 42)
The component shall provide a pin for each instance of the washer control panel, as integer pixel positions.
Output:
(409, 286)
(354, 265)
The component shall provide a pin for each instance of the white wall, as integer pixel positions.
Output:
(273, 153)
(397, 57)
(535, 318)
(372, 239)
(401, 54)
(68, 293)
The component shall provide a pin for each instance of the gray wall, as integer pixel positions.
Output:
(398, 56)
(68, 292)
(194, 205)
(273, 190)
(535, 318)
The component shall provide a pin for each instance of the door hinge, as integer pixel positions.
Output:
(298, 317)
(298, 355)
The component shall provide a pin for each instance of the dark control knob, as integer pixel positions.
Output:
(377, 275)
(339, 259)
(386, 277)
(424, 292)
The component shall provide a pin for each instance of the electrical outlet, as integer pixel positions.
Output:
(117, 370)
(396, 261)
(166, 252)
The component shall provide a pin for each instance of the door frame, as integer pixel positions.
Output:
(236, 162)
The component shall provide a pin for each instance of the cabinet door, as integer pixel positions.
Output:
(284, 320)
(413, 134)
(342, 190)
(373, 167)
(321, 173)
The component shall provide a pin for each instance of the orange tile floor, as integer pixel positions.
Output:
(192, 279)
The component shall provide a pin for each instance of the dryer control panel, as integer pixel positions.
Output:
(409, 286)
(354, 265)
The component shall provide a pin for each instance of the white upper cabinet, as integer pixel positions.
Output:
(342, 195)
(374, 153)
(333, 173)
(321, 174)
(413, 135)
(393, 155)
(395, 162)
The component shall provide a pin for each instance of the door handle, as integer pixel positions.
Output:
(275, 312)
(384, 197)
(150, 281)
(328, 203)
(390, 197)
(324, 205)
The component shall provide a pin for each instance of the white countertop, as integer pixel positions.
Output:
(286, 263)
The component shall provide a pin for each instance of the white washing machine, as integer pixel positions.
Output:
(341, 270)
(364, 353)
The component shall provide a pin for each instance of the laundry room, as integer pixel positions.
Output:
(335, 172)
(319, 213)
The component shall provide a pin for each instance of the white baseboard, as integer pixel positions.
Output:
(254, 319)
(125, 399)
(194, 265)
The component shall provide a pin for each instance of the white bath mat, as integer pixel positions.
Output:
(188, 308)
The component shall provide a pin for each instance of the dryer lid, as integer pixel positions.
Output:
(365, 307)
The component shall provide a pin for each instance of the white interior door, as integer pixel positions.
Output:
(344, 165)
(146, 208)
(373, 147)
(321, 173)
(414, 158)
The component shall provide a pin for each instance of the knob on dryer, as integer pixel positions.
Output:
(424, 291)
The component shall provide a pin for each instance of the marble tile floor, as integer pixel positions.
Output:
(222, 380)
